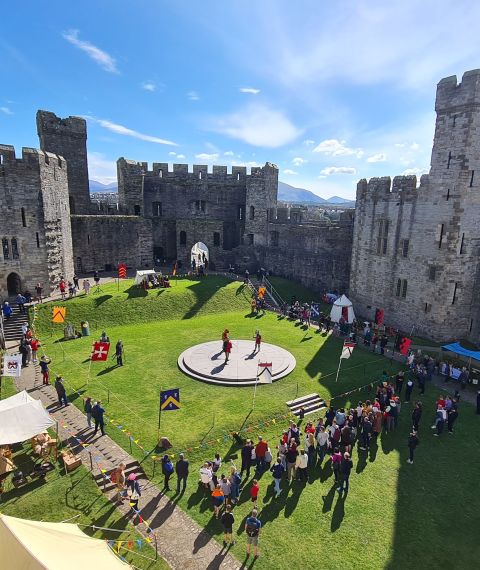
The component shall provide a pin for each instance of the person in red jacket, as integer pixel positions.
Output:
(228, 349)
(34, 346)
(260, 452)
(63, 288)
(258, 341)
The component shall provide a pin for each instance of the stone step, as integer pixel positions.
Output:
(301, 400)
(312, 404)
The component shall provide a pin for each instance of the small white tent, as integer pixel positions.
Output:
(33, 545)
(22, 417)
(141, 274)
(337, 309)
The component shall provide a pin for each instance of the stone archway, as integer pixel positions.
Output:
(14, 284)
(199, 253)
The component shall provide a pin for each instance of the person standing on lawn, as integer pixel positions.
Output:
(258, 341)
(224, 339)
(367, 430)
(408, 391)
(451, 418)
(247, 457)
(218, 499)
(181, 469)
(277, 470)
(254, 493)
(345, 469)
(336, 464)
(235, 480)
(228, 349)
(119, 353)
(412, 444)
(227, 520)
(399, 382)
(301, 465)
(292, 454)
(260, 451)
(417, 415)
(253, 528)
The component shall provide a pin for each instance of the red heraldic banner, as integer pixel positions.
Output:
(100, 351)
(122, 271)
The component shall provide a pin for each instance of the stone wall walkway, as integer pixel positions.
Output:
(181, 541)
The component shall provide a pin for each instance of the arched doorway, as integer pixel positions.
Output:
(199, 254)
(14, 284)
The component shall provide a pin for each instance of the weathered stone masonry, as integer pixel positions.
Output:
(416, 250)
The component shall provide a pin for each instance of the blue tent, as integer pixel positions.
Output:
(455, 347)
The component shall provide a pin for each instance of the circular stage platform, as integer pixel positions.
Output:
(205, 362)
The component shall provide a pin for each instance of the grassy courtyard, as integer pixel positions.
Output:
(395, 515)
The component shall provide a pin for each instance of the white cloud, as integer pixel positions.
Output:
(334, 147)
(6, 110)
(229, 153)
(180, 156)
(148, 86)
(338, 170)
(249, 90)
(415, 146)
(172, 153)
(103, 59)
(193, 96)
(124, 131)
(401, 144)
(289, 172)
(234, 163)
(360, 153)
(417, 171)
(207, 157)
(308, 142)
(101, 169)
(257, 125)
(322, 176)
(406, 161)
(377, 158)
(299, 161)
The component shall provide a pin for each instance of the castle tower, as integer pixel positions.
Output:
(415, 251)
(261, 203)
(68, 138)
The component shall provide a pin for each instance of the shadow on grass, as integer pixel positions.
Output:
(133, 292)
(97, 301)
(107, 370)
(204, 291)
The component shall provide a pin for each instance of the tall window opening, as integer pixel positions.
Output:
(24, 221)
(441, 237)
(5, 249)
(157, 209)
(15, 249)
(405, 246)
(216, 238)
(136, 210)
(38, 239)
(382, 237)
(183, 238)
(454, 294)
(462, 244)
(252, 212)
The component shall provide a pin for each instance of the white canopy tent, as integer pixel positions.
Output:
(337, 309)
(142, 274)
(22, 417)
(33, 545)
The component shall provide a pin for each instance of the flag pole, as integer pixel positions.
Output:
(160, 413)
(338, 371)
(255, 391)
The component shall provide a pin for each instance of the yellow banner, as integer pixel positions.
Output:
(59, 314)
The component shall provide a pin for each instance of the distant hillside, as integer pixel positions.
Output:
(338, 200)
(288, 193)
(99, 187)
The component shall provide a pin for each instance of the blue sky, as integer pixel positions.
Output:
(330, 92)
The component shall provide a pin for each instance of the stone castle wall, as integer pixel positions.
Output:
(34, 221)
(432, 242)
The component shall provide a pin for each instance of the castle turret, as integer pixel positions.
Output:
(68, 138)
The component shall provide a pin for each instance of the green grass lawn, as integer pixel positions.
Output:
(61, 496)
(395, 516)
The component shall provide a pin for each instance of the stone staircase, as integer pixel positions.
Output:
(268, 298)
(131, 467)
(312, 404)
(13, 328)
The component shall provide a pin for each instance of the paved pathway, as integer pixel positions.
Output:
(181, 541)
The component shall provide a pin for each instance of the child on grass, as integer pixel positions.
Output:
(254, 492)
(227, 520)
(218, 499)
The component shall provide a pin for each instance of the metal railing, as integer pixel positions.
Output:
(274, 295)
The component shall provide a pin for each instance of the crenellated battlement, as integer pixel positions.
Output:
(450, 94)
(31, 158)
(383, 188)
(49, 123)
(199, 171)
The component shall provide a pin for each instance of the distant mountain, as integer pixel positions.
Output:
(99, 187)
(288, 193)
(338, 200)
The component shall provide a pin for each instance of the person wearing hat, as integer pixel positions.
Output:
(258, 341)
(104, 338)
(224, 339)
(133, 491)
